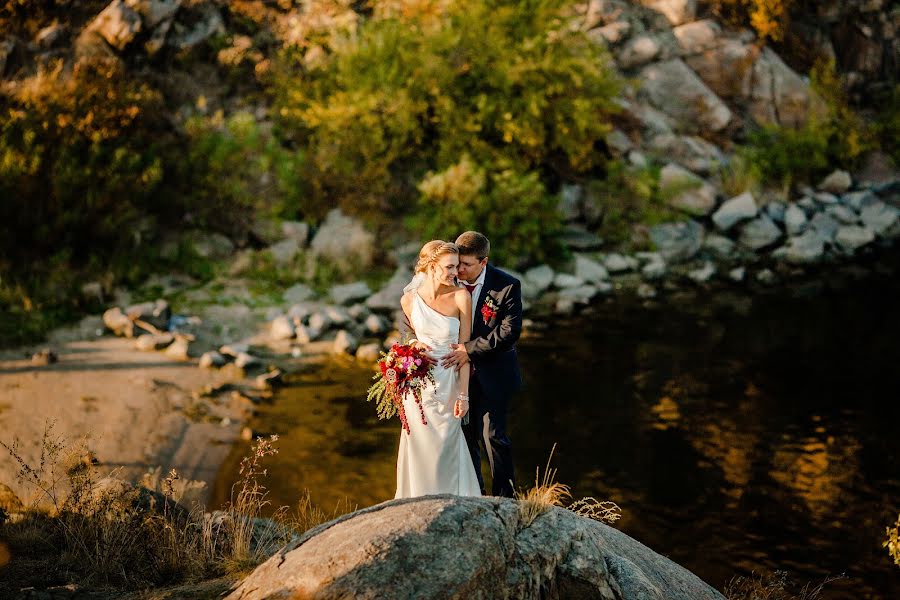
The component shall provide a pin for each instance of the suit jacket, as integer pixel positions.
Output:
(492, 347)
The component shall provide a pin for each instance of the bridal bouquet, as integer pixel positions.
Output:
(404, 370)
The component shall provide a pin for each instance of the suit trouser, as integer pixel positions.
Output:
(487, 427)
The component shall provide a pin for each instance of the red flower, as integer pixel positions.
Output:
(488, 313)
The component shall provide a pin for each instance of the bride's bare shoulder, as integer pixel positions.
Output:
(462, 297)
(406, 299)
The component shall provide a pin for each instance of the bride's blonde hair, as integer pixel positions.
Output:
(432, 251)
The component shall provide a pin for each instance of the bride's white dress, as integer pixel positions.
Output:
(434, 458)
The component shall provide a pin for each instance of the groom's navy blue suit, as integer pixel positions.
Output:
(495, 375)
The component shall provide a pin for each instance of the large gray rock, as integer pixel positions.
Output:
(759, 233)
(879, 217)
(778, 95)
(853, 237)
(698, 36)
(387, 299)
(298, 293)
(804, 249)
(350, 293)
(582, 294)
(344, 241)
(118, 24)
(676, 90)
(720, 246)
(154, 12)
(211, 245)
(794, 219)
(638, 51)
(541, 277)
(589, 270)
(676, 11)
(735, 210)
(686, 191)
(677, 242)
(726, 68)
(412, 548)
(284, 252)
(837, 182)
(825, 225)
(691, 151)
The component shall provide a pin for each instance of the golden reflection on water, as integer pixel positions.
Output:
(330, 442)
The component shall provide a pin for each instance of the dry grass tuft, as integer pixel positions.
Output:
(892, 543)
(546, 493)
(605, 511)
(774, 586)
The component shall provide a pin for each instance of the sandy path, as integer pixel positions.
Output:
(130, 402)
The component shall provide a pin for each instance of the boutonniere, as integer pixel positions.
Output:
(489, 309)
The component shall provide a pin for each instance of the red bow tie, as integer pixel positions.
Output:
(471, 288)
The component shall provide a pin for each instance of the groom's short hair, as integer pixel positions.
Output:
(472, 243)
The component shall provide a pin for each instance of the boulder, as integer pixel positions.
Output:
(794, 219)
(319, 324)
(118, 322)
(778, 95)
(345, 343)
(879, 217)
(337, 315)
(686, 191)
(727, 68)
(155, 314)
(775, 210)
(677, 242)
(582, 294)
(852, 237)
(807, 248)
(618, 263)
(825, 198)
(344, 241)
(375, 325)
(759, 233)
(212, 360)
(676, 90)
(565, 280)
(569, 205)
(611, 33)
(295, 230)
(690, 151)
(44, 357)
(859, 200)
(153, 341)
(646, 291)
(368, 353)
(154, 12)
(179, 349)
(653, 270)
(843, 214)
(825, 225)
(388, 297)
(837, 182)
(412, 548)
(703, 274)
(541, 277)
(698, 36)
(245, 360)
(577, 238)
(638, 51)
(734, 211)
(720, 246)
(298, 293)
(350, 293)
(118, 24)
(676, 11)
(282, 328)
(284, 252)
(737, 274)
(589, 270)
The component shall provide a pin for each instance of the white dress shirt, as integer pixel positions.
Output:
(476, 293)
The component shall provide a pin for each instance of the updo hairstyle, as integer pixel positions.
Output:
(432, 252)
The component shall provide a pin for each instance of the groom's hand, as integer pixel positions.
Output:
(456, 358)
(424, 347)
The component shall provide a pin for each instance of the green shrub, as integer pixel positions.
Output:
(509, 85)
(508, 205)
(836, 138)
(235, 170)
(628, 196)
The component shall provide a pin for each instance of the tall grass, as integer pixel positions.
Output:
(547, 492)
(774, 586)
(98, 530)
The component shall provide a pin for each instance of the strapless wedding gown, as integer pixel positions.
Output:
(434, 458)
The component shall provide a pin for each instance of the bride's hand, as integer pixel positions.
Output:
(425, 348)
(461, 407)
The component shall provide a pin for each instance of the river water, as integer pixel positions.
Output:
(739, 434)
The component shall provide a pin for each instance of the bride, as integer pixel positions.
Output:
(434, 457)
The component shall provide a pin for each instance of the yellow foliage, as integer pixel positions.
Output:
(768, 18)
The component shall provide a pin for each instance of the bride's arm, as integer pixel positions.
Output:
(464, 303)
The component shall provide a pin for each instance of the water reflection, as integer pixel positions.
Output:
(738, 435)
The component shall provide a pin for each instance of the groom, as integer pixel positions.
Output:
(496, 325)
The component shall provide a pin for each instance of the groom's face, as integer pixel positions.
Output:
(470, 267)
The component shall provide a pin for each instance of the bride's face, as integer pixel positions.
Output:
(445, 269)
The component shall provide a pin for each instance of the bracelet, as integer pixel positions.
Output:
(462, 396)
